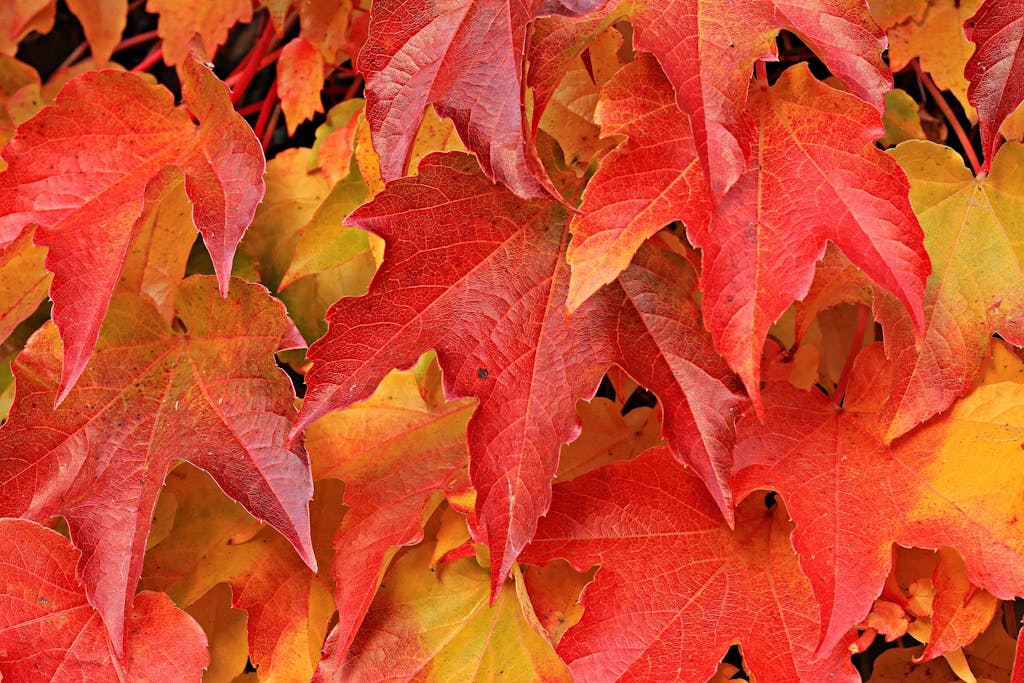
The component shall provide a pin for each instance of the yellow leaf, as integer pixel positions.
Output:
(901, 119)
(975, 238)
(938, 39)
(438, 626)
(225, 629)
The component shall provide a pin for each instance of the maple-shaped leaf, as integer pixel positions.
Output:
(465, 57)
(888, 13)
(557, 43)
(180, 20)
(650, 180)
(336, 27)
(205, 390)
(708, 49)
(815, 176)
(974, 237)
(479, 275)
(608, 435)
(214, 540)
(50, 632)
(300, 77)
(948, 483)
(395, 452)
(430, 624)
(996, 69)
(87, 169)
(901, 118)
(155, 264)
(699, 587)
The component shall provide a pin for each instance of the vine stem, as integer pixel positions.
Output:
(154, 56)
(252, 63)
(264, 118)
(951, 118)
(855, 346)
(136, 40)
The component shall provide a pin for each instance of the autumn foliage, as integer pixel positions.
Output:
(649, 340)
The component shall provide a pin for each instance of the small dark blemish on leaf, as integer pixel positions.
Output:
(482, 373)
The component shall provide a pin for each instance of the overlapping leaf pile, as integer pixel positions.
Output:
(628, 341)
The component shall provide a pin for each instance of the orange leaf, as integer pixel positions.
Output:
(300, 77)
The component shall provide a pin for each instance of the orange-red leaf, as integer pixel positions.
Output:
(206, 390)
(300, 77)
(465, 57)
(479, 275)
(675, 585)
(49, 631)
(708, 49)
(954, 482)
(650, 180)
(88, 168)
(815, 176)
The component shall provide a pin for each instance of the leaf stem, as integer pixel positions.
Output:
(951, 118)
(855, 346)
(252, 63)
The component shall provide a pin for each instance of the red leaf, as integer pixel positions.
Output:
(88, 168)
(815, 176)
(996, 69)
(466, 58)
(852, 497)
(49, 632)
(211, 395)
(699, 587)
(708, 49)
(652, 179)
(479, 275)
